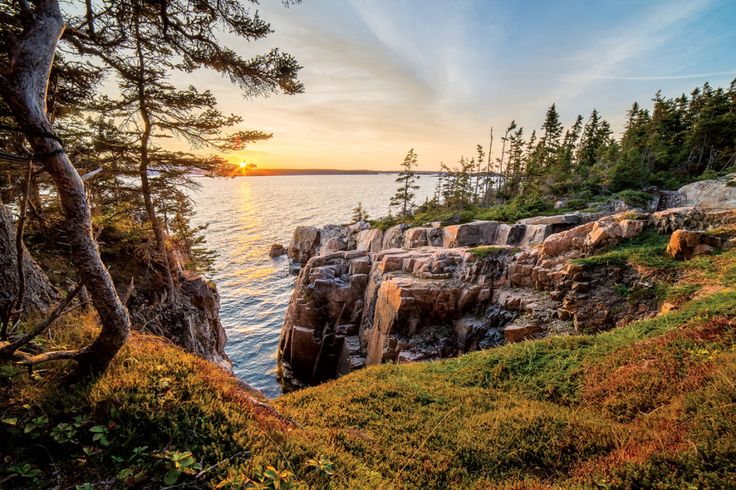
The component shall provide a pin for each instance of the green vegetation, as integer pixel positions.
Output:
(646, 249)
(649, 402)
(677, 141)
(491, 251)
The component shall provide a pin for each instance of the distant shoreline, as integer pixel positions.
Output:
(276, 172)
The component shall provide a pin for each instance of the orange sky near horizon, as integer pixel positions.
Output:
(381, 80)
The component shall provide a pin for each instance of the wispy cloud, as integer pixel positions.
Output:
(387, 75)
(673, 77)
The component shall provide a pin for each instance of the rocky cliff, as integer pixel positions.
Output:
(408, 294)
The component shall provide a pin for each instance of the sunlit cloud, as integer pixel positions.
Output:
(385, 76)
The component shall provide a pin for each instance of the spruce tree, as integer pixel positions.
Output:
(359, 213)
(404, 197)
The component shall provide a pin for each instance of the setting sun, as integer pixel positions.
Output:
(243, 164)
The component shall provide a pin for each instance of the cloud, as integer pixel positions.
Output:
(383, 76)
(673, 77)
(622, 44)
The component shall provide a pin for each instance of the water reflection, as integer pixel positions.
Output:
(246, 216)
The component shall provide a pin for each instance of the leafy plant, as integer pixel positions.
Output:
(25, 470)
(272, 479)
(100, 433)
(63, 432)
(322, 465)
(181, 463)
(33, 428)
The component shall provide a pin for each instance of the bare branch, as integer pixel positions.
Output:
(10, 349)
(91, 174)
(27, 360)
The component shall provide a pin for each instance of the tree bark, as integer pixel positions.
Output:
(24, 90)
(158, 232)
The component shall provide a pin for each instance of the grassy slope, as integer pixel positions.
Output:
(650, 404)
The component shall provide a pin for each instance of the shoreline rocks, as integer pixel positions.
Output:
(276, 250)
(366, 296)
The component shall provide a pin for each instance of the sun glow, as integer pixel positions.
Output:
(243, 165)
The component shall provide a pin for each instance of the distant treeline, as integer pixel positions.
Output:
(676, 141)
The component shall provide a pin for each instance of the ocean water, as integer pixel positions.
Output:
(248, 214)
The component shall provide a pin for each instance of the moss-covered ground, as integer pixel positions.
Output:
(648, 405)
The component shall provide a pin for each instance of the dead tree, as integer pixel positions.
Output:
(24, 89)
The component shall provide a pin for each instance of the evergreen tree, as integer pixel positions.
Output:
(359, 213)
(141, 43)
(404, 197)
(631, 168)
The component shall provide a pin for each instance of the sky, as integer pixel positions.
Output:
(384, 76)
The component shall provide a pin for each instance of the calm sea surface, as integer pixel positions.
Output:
(246, 215)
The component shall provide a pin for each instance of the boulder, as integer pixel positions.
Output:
(370, 240)
(610, 231)
(276, 250)
(332, 245)
(469, 234)
(518, 331)
(717, 193)
(394, 236)
(684, 245)
(304, 244)
(416, 237)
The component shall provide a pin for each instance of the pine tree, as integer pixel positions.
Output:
(404, 197)
(359, 213)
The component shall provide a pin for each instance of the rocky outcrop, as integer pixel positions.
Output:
(370, 240)
(353, 308)
(304, 244)
(410, 294)
(710, 194)
(684, 245)
(276, 250)
(394, 236)
(191, 320)
(323, 316)
(39, 295)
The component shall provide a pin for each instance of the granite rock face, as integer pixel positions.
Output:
(352, 308)
(304, 244)
(437, 297)
(191, 321)
(717, 193)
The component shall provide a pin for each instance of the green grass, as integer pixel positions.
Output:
(646, 249)
(491, 251)
(636, 199)
(649, 404)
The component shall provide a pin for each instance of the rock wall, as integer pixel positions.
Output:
(361, 307)
(191, 320)
(366, 296)
(310, 241)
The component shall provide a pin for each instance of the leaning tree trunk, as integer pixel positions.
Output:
(24, 90)
(158, 232)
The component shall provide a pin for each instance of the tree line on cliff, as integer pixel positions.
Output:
(87, 112)
(676, 141)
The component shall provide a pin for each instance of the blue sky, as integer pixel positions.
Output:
(384, 76)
